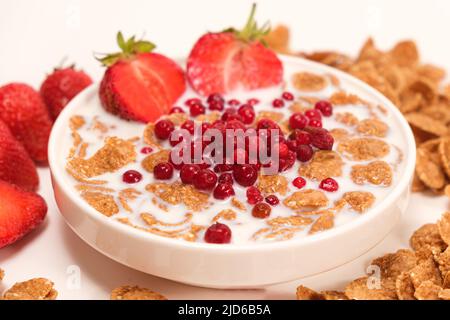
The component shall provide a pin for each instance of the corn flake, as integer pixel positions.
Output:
(306, 81)
(34, 289)
(377, 173)
(135, 293)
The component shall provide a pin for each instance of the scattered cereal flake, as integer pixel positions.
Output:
(405, 54)
(426, 123)
(269, 184)
(339, 134)
(2, 274)
(428, 171)
(209, 117)
(393, 265)
(377, 173)
(444, 151)
(427, 234)
(295, 221)
(272, 115)
(176, 193)
(425, 271)
(126, 195)
(238, 204)
(417, 184)
(373, 127)
(444, 294)
(404, 287)
(324, 164)
(361, 149)
(226, 214)
(278, 39)
(426, 252)
(103, 203)
(446, 280)
(347, 118)
(324, 222)
(306, 81)
(439, 112)
(135, 293)
(115, 154)
(334, 295)
(177, 118)
(425, 88)
(150, 220)
(76, 122)
(427, 291)
(306, 199)
(443, 260)
(444, 227)
(447, 190)
(150, 162)
(359, 290)
(280, 234)
(34, 289)
(359, 201)
(343, 98)
(299, 107)
(304, 293)
(331, 58)
(149, 135)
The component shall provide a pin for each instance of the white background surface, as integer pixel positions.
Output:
(36, 35)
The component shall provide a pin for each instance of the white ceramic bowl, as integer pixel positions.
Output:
(231, 266)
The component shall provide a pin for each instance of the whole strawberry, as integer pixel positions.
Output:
(22, 109)
(140, 85)
(232, 59)
(61, 86)
(16, 166)
(20, 212)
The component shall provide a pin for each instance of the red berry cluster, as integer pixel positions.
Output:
(307, 135)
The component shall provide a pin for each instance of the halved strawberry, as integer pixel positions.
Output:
(61, 86)
(16, 166)
(24, 112)
(20, 212)
(229, 60)
(138, 84)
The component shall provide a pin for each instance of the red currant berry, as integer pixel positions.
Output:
(316, 123)
(247, 113)
(324, 107)
(234, 102)
(254, 195)
(146, 150)
(278, 103)
(206, 179)
(299, 182)
(245, 174)
(176, 110)
(253, 101)
(313, 114)
(196, 109)
(304, 153)
(216, 106)
(163, 171)
(298, 121)
(223, 167)
(215, 97)
(226, 178)
(192, 101)
(322, 139)
(188, 172)
(131, 176)
(329, 184)
(218, 233)
(287, 96)
(272, 200)
(189, 126)
(223, 191)
(261, 210)
(302, 137)
(163, 129)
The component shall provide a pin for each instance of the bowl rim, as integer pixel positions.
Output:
(404, 180)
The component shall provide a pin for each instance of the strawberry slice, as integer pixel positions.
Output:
(230, 60)
(16, 166)
(22, 109)
(20, 212)
(140, 85)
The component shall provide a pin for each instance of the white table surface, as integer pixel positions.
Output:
(36, 35)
